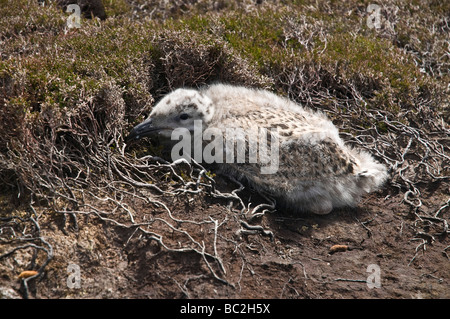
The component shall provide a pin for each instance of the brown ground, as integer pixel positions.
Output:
(120, 262)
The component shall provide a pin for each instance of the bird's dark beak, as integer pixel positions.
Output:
(146, 128)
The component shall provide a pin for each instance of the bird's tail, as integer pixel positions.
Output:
(371, 174)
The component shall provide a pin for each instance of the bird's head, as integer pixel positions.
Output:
(178, 109)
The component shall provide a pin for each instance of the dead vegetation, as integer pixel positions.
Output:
(142, 226)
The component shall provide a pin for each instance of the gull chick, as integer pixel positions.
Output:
(316, 171)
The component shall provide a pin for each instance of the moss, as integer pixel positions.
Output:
(256, 37)
(382, 127)
(98, 53)
(116, 7)
(261, 38)
(24, 17)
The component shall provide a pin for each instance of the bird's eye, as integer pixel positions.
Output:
(184, 116)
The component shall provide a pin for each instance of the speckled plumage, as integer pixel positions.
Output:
(317, 171)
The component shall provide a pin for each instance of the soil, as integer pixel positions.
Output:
(289, 257)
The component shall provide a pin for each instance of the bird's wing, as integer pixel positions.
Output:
(309, 146)
(315, 161)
